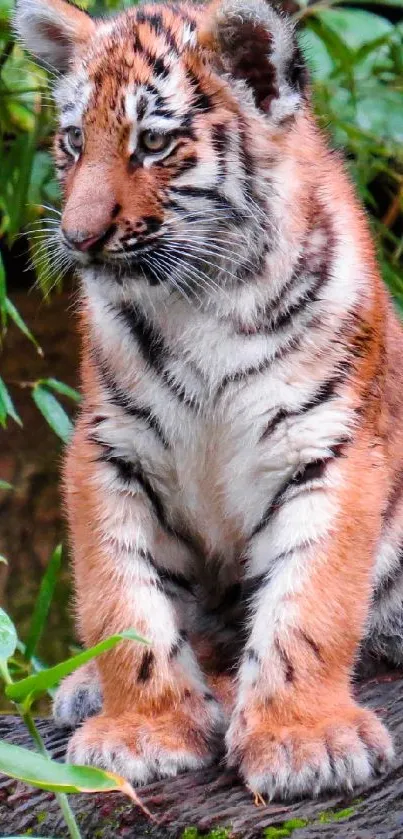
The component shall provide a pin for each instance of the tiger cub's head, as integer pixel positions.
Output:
(171, 118)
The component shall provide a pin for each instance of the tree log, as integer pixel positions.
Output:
(214, 798)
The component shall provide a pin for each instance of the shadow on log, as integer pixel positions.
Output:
(214, 798)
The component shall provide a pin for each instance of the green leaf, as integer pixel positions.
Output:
(35, 685)
(53, 412)
(8, 636)
(43, 602)
(7, 405)
(62, 388)
(16, 317)
(3, 560)
(44, 773)
(3, 293)
(5, 485)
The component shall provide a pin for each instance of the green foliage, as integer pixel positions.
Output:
(216, 833)
(41, 772)
(37, 768)
(43, 602)
(284, 830)
(356, 59)
(336, 815)
(33, 686)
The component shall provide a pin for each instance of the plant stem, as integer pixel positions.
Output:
(61, 798)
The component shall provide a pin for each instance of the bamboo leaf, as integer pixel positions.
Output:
(43, 602)
(8, 636)
(53, 412)
(44, 773)
(16, 317)
(62, 388)
(35, 685)
(7, 406)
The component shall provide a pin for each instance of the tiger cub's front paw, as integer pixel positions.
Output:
(293, 760)
(142, 748)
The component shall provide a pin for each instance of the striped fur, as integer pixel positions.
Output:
(234, 484)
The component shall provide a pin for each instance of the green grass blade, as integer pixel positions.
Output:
(35, 685)
(43, 602)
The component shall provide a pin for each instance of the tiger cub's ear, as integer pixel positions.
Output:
(52, 30)
(258, 45)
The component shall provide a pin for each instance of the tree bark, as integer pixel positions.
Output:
(215, 798)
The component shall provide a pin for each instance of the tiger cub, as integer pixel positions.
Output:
(235, 481)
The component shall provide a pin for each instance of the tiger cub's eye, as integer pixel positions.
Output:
(74, 138)
(154, 141)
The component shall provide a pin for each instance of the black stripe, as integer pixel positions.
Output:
(159, 100)
(265, 364)
(251, 585)
(117, 397)
(130, 472)
(289, 669)
(313, 645)
(310, 296)
(219, 140)
(154, 352)
(160, 69)
(212, 195)
(186, 165)
(146, 666)
(200, 99)
(156, 23)
(172, 577)
(312, 471)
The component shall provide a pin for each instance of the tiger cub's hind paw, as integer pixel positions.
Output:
(78, 697)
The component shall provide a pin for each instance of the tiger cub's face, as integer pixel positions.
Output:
(167, 118)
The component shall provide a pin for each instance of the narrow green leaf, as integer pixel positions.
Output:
(3, 293)
(53, 412)
(62, 388)
(3, 560)
(39, 683)
(8, 636)
(43, 602)
(16, 317)
(44, 773)
(7, 403)
(5, 485)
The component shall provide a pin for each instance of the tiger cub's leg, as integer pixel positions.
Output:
(296, 728)
(158, 715)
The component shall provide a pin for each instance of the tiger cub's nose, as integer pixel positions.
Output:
(83, 241)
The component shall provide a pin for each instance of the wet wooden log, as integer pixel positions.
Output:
(214, 798)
